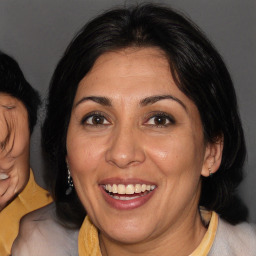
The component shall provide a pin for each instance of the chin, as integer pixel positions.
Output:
(128, 232)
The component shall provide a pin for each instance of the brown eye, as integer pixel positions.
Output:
(160, 120)
(95, 120)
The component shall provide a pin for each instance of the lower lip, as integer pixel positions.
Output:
(126, 204)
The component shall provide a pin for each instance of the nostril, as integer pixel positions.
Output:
(123, 163)
(125, 150)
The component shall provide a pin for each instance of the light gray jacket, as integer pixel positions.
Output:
(238, 240)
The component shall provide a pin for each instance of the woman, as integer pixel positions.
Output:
(143, 129)
(19, 194)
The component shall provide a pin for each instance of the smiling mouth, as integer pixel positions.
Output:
(128, 192)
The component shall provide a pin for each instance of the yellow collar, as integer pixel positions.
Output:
(88, 240)
(208, 239)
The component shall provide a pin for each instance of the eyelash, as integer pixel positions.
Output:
(94, 114)
(164, 115)
(101, 115)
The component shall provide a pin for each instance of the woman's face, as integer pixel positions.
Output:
(135, 147)
(14, 151)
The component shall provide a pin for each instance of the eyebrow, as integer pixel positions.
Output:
(144, 102)
(153, 99)
(8, 106)
(98, 99)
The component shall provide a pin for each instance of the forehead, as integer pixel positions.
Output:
(127, 58)
(137, 69)
(131, 62)
(130, 75)
(8, 102)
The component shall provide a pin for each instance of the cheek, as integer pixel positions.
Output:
(175, 155)
(21, 145)
(20, 137)
(83, 154)
(3, 132)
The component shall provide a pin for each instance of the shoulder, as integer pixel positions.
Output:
(234, 240)
(41, 234)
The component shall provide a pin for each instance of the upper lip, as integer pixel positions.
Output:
(125, 181)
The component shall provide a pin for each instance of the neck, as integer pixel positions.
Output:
(180, 239)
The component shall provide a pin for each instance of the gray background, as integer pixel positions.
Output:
(37, 32)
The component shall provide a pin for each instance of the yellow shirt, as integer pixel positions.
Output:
(30, 199)
(88, 241)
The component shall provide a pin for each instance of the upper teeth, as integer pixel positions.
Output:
(3, 176)
(128, 189)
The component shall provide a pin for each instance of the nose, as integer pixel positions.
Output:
(126, 148)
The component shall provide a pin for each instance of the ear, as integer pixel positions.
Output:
(212, 157)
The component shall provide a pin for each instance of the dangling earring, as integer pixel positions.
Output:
(70, 183)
